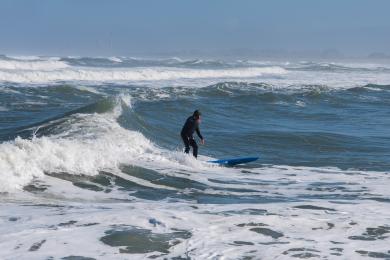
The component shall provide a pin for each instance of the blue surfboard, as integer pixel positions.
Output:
(234, 161)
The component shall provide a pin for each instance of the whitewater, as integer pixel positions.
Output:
(91, 161)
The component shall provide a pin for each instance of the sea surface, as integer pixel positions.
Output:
(91, 161)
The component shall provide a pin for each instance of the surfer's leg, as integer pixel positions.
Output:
(194, 148)
(186, 144)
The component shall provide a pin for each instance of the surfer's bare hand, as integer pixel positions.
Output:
(202, 141)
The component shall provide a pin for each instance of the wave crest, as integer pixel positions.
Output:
(32, 65)
(136, 74)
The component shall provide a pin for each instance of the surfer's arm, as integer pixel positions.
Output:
(198, 132)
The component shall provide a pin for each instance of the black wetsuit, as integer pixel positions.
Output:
(187, 133)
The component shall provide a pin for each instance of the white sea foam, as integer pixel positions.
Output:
(228, 231)
(32, 65)
(21, 57)
(136, 74)
(115, 59)
(278, 75)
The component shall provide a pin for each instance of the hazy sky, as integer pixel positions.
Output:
(119, 27)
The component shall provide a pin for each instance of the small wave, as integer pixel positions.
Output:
(245, 88)
(32, 65)
(337, 67)
(370, 87)
(93, 61)
(115, 59)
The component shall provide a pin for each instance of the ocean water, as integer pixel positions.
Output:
(91, 161)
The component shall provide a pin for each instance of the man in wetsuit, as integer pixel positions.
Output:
(190, 126)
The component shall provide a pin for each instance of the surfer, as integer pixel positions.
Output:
(187, 133)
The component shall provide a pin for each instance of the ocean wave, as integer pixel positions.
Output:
(247, 88)
(241, 88)
(82, 142)
(370, 87)
(93, 61)
(32, 64)
(136, 74)
(337, 67)
(77, 144)
(130, 62)
(189, 72)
